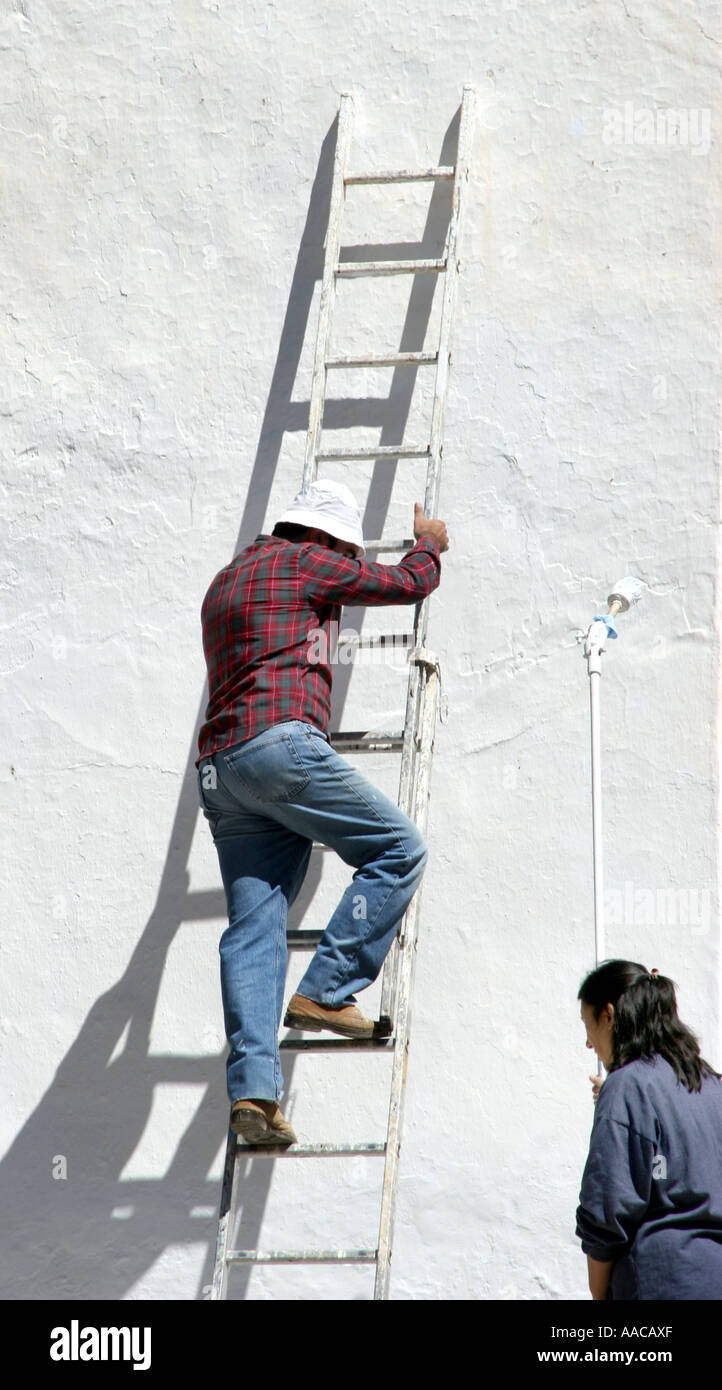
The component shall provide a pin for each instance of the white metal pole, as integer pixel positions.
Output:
(597, 843)
(626, 592)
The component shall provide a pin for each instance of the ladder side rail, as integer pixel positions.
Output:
(219, 1287)
(405, 799)
(451, 280)
(403, 1016)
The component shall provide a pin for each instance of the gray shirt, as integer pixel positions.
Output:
(651, 1195)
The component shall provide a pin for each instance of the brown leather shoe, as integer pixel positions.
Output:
(261, 1122)
(312, 1017)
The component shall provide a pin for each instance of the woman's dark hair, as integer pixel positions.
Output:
(645, 1019)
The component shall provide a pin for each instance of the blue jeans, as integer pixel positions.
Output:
(266, 801)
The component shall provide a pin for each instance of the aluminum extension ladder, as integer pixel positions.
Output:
(416, 741)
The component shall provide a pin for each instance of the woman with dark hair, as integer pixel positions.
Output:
(650, 1206)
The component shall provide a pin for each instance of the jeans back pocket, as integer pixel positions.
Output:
(269, 768)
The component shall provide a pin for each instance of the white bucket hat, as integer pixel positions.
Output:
(331, 507)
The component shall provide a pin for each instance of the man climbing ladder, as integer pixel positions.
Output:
(270, 784)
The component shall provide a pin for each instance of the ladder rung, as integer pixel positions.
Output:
(296, 937)
(293, 1257)
(383, 544)
(366, 742)
(383, 639)
(378, 451)
(440, 171)
(386, 359)
(353, 269)
(309, 1150)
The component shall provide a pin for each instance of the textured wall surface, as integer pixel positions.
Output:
(166, 173)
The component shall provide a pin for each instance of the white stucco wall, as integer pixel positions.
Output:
(166, 171)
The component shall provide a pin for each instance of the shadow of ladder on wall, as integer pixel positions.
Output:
(415, 741)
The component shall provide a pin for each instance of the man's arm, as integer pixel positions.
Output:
(331, 578)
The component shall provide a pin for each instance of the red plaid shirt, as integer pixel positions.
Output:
(262, 617)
